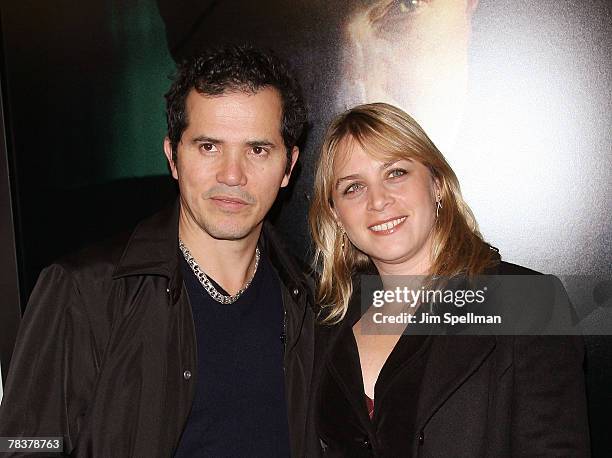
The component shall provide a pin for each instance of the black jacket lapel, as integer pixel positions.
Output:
(343, 359)
(451, 361)
(344, 365)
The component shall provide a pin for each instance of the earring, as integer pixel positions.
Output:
(342, 237)
(438, 205)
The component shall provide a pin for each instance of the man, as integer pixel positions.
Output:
(194, 337)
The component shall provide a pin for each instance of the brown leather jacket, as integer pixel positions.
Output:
(106, 354)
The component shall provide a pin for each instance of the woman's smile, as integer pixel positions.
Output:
(388, 226)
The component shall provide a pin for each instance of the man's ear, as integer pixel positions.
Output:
(168, 153)
(295, 152)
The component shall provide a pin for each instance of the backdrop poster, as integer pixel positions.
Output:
(517, 95)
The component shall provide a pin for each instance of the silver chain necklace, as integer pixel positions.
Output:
(208, 286)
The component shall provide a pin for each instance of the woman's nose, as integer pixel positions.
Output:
(378, 198)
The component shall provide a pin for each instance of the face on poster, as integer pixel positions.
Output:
(412, 54)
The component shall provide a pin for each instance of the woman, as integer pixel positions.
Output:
(387, 202)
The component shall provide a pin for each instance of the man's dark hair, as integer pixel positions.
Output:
(235, 68)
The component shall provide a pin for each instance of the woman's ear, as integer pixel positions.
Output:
(332, 208)
(335, 215)
(437, 187)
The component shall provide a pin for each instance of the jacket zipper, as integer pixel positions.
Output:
(284, 337)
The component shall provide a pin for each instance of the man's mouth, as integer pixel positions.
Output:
(229, 200)
(229, 203)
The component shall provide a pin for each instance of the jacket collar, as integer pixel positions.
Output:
(153, 249)
(298, 294)
(450, 362)
(294, 275)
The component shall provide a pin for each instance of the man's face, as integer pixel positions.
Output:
(231, 161)
(412, 54)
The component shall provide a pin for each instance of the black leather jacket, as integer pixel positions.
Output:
(106, 354)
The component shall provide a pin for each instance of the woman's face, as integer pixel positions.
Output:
(387, 208)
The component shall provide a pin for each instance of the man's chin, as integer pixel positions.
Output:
(230, 232)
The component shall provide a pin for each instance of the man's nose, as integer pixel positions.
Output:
(379, 198)
(231, 170)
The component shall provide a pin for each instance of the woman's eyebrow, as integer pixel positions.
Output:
(388, 164)
(346, 178)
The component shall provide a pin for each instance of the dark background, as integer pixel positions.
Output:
(82, 87)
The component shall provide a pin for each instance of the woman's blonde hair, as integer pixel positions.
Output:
(457, 247)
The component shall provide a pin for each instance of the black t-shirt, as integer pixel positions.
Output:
(240, 407)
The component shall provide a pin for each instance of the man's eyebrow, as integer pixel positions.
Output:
(255, 142)
(261, 142)
(205, 139)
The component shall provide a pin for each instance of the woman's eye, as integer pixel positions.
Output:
(397, 173)
(352, 188)
(208, 147)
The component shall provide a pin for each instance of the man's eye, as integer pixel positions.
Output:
(352, 188)
(259, 150)
(397, 11)
(397, 173)
(208, 147)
